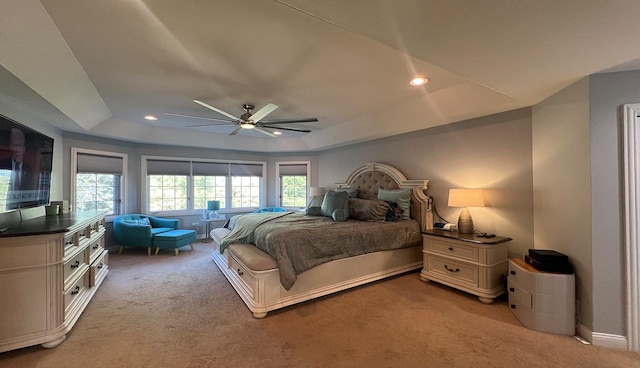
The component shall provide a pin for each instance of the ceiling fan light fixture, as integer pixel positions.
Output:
(419, 80)
(247, 126)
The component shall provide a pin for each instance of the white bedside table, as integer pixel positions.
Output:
(211, 224)
(466, 262)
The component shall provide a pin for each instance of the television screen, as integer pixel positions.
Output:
(26, 158)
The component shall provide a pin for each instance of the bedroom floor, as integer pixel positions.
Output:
(168, 311)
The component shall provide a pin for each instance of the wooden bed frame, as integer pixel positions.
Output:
(255, 276)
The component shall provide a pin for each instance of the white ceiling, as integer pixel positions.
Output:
(104, 64)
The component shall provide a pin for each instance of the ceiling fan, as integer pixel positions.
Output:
(249, 120)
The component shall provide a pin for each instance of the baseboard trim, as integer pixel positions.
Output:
(610, 341)
(602, 339)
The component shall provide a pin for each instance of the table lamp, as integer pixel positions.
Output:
(465, 198)
(316, 191)
(213, 206)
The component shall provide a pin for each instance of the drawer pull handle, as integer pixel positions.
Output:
(95, 246)
(100, 266)
(451, 249)
(512, 290)
(451, 269)
(513, 272)
(75, 265)
(76, 291)
(240, 273)
(513, 306)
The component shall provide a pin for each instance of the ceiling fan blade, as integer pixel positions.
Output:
(258, 115)
(200, 117)
(212, 124)
(291, 129)
(236, 131)
(264, 131)
(215, 109)
(287, 121)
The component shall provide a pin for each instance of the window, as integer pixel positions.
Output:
(98, 180)
(173, 185)
(167, 192)
(293, 183)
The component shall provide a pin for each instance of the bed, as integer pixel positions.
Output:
(264, 285)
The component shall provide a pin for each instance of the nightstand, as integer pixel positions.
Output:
(211, 224)
(466, 262)
(542, 301)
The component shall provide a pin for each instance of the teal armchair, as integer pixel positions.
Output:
(133, 231)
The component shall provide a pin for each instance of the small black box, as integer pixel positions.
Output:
(565, 268)
(548, 256)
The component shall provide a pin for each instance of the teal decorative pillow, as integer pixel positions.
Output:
(334, 200)
(401, 196)
(313, 211)
(314, 207)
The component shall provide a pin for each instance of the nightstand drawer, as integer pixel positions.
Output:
(458, 271)
(523, 278)
(452, 249)
(519, 296)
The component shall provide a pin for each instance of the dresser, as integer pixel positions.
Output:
(466, 262)
(50, 268)
(542, 301)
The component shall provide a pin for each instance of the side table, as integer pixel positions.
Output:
(466, 262)
(211, 224)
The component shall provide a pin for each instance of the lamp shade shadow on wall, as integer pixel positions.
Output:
(465, 198)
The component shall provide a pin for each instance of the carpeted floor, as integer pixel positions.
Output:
(168, 311)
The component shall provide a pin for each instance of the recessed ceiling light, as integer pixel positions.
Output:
(151, 117)
(419, 80)
(277, 133)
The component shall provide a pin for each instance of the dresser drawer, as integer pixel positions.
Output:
(75, 264)
(72, 295)
(99, 268)
(456, 271)
(248, 281)
(96, 248)
(453, 249)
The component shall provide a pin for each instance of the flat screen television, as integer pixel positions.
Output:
(26, 158)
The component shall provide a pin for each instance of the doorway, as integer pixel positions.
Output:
(631, 156)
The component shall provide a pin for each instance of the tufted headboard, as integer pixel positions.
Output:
(372, 176)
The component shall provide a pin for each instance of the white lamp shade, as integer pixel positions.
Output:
(466, 198)
(316, 191)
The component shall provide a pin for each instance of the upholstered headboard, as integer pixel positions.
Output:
(373, 176)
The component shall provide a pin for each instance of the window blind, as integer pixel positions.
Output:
(89, 163)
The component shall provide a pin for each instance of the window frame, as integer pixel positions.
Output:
(279, 180)
(75, 151)
(190, 186)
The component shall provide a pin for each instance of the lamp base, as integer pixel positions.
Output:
(465, 222)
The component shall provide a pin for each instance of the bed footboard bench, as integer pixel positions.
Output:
(255, 276)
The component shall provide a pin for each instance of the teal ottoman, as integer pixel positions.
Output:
(174, 239)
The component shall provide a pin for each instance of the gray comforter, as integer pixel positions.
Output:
(299, 242)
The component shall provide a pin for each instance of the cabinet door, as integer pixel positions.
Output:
(25, 294)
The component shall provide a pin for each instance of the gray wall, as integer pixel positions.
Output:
(562, 185)
(607, 93)
(493, 153)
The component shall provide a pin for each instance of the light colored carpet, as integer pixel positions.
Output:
(168, 311)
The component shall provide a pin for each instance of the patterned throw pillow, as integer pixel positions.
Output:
(401, 196)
